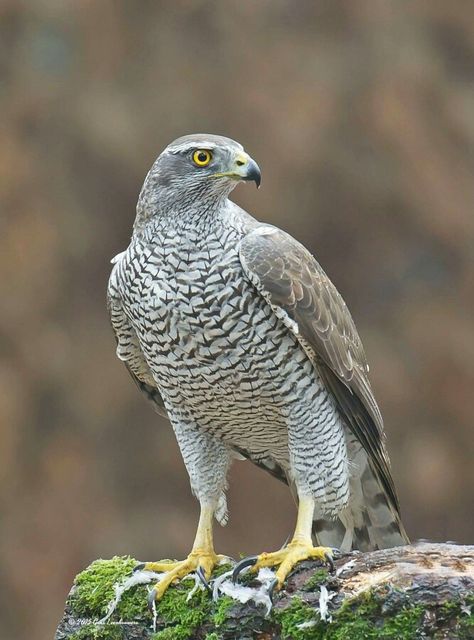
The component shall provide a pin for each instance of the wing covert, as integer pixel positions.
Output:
(301, 294)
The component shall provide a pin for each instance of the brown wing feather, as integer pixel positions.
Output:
(302, 295)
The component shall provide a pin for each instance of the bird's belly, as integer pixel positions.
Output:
(232, 367)
(217, 351)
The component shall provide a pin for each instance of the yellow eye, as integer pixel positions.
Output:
(202, 158)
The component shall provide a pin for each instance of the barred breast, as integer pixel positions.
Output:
(220, 356)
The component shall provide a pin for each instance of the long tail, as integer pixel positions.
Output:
(369, 521)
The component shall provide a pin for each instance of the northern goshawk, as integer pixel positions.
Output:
(237, 335)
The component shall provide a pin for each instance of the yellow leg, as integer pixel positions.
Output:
(202, 557)
(300, 548)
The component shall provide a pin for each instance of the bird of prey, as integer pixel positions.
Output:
(235, 333)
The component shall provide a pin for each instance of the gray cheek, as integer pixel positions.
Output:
(172, 169)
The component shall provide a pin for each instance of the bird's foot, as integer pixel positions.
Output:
(200, 561)
(286, 558)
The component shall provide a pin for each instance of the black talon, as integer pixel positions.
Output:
(200, 574)
(151, 600)
(250, 561)
(139, 567)
(271, 588)
(330, 561)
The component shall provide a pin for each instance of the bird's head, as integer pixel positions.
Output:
(197, 167)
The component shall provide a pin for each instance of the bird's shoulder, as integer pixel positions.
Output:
(292, 281)
(287, 271)
(238, 218)
(303, 296)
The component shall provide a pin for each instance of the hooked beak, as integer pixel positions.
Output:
(248, 169)
(242, 168)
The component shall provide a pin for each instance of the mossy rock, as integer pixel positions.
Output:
(94, 589)
(420, 591)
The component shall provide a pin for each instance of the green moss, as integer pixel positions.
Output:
(355, 620)
(362, 618)
(318, 578)
(222, 568)
(466, 627)
(172, 634)
(296, 614)
(98, 632)
(358, 619)
(405, 625)
(459, 615)
(182, 617)
(95, 589)
(222, 607)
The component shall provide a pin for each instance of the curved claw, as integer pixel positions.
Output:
(139, 567)
(250, 561)
(200, 574)
(271, 588)
(330, 561)
(151, 600)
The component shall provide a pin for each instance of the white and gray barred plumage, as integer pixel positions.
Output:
(234, 331)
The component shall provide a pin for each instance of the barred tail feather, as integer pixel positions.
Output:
(369, 522)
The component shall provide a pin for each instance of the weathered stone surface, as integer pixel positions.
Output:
(418, 591)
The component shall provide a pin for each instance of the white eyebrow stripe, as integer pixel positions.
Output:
(197, 144)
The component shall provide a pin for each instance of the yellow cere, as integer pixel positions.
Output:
(202, 157)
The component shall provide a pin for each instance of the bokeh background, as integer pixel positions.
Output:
(361, 115)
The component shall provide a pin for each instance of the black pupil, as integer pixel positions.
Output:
(202, 156)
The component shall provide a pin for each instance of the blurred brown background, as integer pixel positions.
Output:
(361, 115)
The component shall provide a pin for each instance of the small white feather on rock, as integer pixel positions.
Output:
(243, 594)
(324, 597)
(139, 577)
(306, 625)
